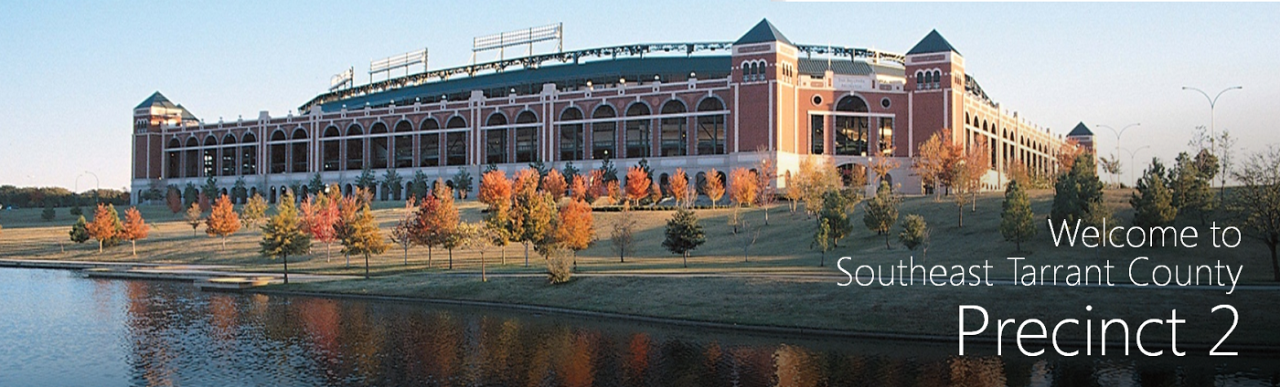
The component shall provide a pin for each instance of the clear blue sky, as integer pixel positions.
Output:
(71, 72)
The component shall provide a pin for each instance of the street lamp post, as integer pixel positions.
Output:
(1132, 165)
(1119, 133)
(1213, 102)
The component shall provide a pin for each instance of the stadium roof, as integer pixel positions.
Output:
(763, 32)
(817, 67)
(1080, 130)
(933, 42)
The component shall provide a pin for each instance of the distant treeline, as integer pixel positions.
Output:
(33, 197)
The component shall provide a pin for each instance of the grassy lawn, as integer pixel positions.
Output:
(782, 247)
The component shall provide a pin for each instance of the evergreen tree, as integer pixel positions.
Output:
(80, 231)
(683, 234)
(540, 167)
(1190, 187)
(607, 171)
(1017, 222)
(835, 212)
(420, 187)
(189, 195)
(316, 185)
(882, 211)
(1077, 192)
(462, 183)
(364, 237)
(1153, 203)
(283, 236)
(134, 228)
(570, 171)
(367, 180)
(914, 233)
(239, 193)
(48, 213)
(392, 185)
(223, 220)
(75, 208)
(210, 187)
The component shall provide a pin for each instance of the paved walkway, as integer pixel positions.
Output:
(156, 271)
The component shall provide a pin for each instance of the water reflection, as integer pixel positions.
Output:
(169, 334)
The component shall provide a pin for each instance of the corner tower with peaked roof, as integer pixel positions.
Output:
(764, 63)
(935, 87)
(1082, 136)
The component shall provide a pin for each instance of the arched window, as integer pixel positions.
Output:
(496, 139)
(298, 151)
(711, 127)
(674, 136)
(209, 156)
(403, 145)
(526, 137)
(637, 130)
(379, 152)
(919, 80)
(277, 152)
(604, 133)
(851, 131)
(355, 147)
(249, 154)
(571, 145)
(456, 141)
(173, 159)
(429, 143)
(331, 149)
(937, 79)
(228, 160)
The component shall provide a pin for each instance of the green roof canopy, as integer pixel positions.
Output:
(1080, 130)
(761, 33)
(933, 42)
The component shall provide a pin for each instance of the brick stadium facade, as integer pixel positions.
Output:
(681, 105)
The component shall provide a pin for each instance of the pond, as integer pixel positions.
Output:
(60, 329)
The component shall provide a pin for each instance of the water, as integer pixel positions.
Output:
(58, 329)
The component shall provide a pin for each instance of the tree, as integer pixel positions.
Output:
(683, 234)
(283, 236)
(766, 174)
(823, 240)
(554, 184)
(419, 187)
(223, 221)
(1190, 187)
(134, 228)
(48, 213)
(1226, 144)
(914, 231)
(495, 190)
(1077, 192)
(1153, 202)
(319, 215)
(578, 189)
(679, 186)
(835, 213)
(437, 222)
(174, 201)
(1111, 166)
(1017, 222)
(392, 185)
(402, 233)
(576, 228)
(936, 161)
(1069, 152)
(75, 209)
(253, 210)
(1258, 198)
(959, 194)
(105, 227)
(348, 212)
(532, 218)
(462, 183)
(364, 237)
(367, 180)
(473, 236)
(189, 195)
(743, 191)
(203, 201)
(977, 161)
(448, 229)
(714, 187)
(79, 231)
(655, 194)
(623, 236)
(239, 193)
(570, 172)
(607, 170)
(210, 187)
(813, 179)
(638, 184)
(882, 211)
(194, 217)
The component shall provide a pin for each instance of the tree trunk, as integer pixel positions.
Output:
(621, 255)
(366, 265)
(134, 244)
(484, 277)
(286, 268)
(823, 261)
(406, 255)
(1275, 265)
(99, 246)
(886, 242)
(348, 256)
(686, 259)
(974, 198)
(504, 254)
(326, 252)
(960, 211)
(526, 254)
(224, 243)
(450, 259)
(766, 215)
(428, 256)
(1018, 243)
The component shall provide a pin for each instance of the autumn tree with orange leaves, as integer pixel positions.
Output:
(105, 227)
(578, 190)
(576, 229)
(554, 184)
(223, 220)
(134, 228)
(637, 185)
(714, 187)
(319, 214)
(679, 186)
